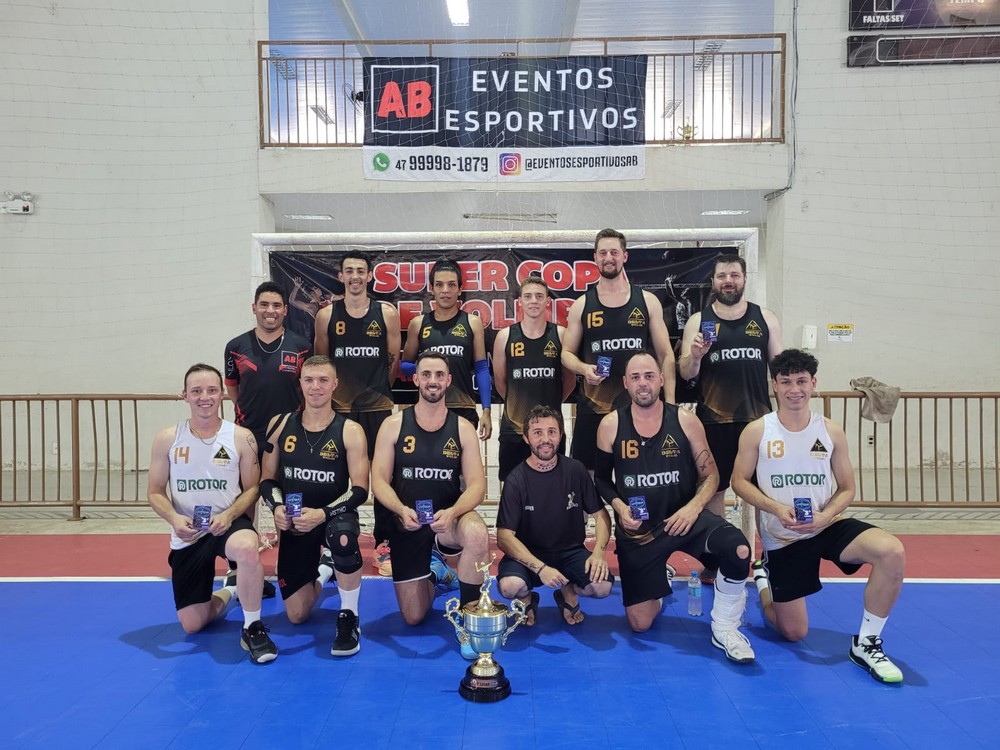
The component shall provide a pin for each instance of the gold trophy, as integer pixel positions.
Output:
(484, 625)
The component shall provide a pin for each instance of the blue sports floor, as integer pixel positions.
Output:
(104, 664)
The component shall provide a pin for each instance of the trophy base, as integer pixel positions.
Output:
(484, 689)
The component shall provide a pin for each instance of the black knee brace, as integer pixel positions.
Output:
(346, 557)
(722, 543)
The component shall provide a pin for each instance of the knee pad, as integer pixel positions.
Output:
(346, 557)
(722, 544)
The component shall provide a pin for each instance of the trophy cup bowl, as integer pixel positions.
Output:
(483, 625)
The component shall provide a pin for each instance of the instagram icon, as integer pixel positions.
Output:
(510, 165)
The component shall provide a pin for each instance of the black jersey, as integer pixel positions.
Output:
(359, 350)
(657, 467)
(313, 463)
(546, 509)
(617, 333)
(267, 376)
(534, 376)
(428, 465)
(733, 375)
(453, 339)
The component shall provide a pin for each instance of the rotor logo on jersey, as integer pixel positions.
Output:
(329, 451)
(374, 330)
(200, 485)
(737, 354)
(221, 458)
(670, 448)
(310, 475)
(550, 350)
(636, 319)
(819, 450)
(656, 479)
(779, 481)
(617, 345)
(534, 373)
(357, 352)
(450, 449)
(434, 475)
(753, 329)
(407, 473)
(449, 350)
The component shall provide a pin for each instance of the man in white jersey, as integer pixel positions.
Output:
(203, 477)
(804, 483)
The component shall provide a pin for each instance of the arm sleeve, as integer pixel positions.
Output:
(484, 383)
(603, 468)
(350, 500)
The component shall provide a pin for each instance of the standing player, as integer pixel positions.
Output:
(422, 457)
(361, 336)
(542, 524)
(528, 369)
(262, 369)
(801, 462)
(664, 475)
(726, 347)
(611, 321)
(459, 337)
(313, 455)
(202, 479)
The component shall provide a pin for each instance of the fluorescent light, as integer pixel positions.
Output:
(458, 12)
(537, 218)
(322, 114)
(309, 217)
(726, 212)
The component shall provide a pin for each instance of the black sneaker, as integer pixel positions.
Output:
(229, 580)
(348, 640)
(256, 640)
(269, 591)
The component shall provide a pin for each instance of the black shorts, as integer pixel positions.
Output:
(513, 450)
(584, 448)
(570, 562)
(793, 570)
(411, 551)
(298, 555)
(724, 442)
(643, 568)
(192, 569)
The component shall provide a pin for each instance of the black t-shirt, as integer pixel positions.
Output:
(267, 376)
(534, 376)
(453, 339)
(658, 467)
(428, 465)
(617, 333)
(733, 374)
(313, 463)
(358, 349)
(546, 509)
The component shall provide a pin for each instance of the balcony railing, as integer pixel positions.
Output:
(72, 451)
(721, 89)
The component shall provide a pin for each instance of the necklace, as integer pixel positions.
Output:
(261, 343)
(209, 441)
(319, 440)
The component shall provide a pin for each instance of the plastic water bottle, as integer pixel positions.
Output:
(694, 594)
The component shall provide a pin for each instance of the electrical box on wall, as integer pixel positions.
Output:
(17, 207)
(808, 337)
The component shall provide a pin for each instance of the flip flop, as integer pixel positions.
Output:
(564, 607)
(531, 608)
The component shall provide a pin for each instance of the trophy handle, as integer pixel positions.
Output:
(518, 611)
(452, 610)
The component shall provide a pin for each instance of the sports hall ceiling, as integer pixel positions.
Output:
(550, 208)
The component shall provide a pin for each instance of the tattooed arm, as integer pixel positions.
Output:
(680, 523)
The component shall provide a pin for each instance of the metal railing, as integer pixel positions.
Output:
(77, 450)
(699, 89)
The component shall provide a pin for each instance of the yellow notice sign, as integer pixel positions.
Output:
(840, 332)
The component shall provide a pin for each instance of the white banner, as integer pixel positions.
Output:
(440, 164)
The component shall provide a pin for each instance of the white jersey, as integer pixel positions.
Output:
(793, 465)
(203, 473)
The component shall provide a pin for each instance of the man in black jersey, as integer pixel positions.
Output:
(528, 370)
(422, 457)
(726, 347)
(361, 336)
(655, 469)
(542, 524)
(460, 337)
(262, 371)
(612, 320)
(314, 454)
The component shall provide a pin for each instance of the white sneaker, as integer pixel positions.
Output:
(735, 644)
(868, 654)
